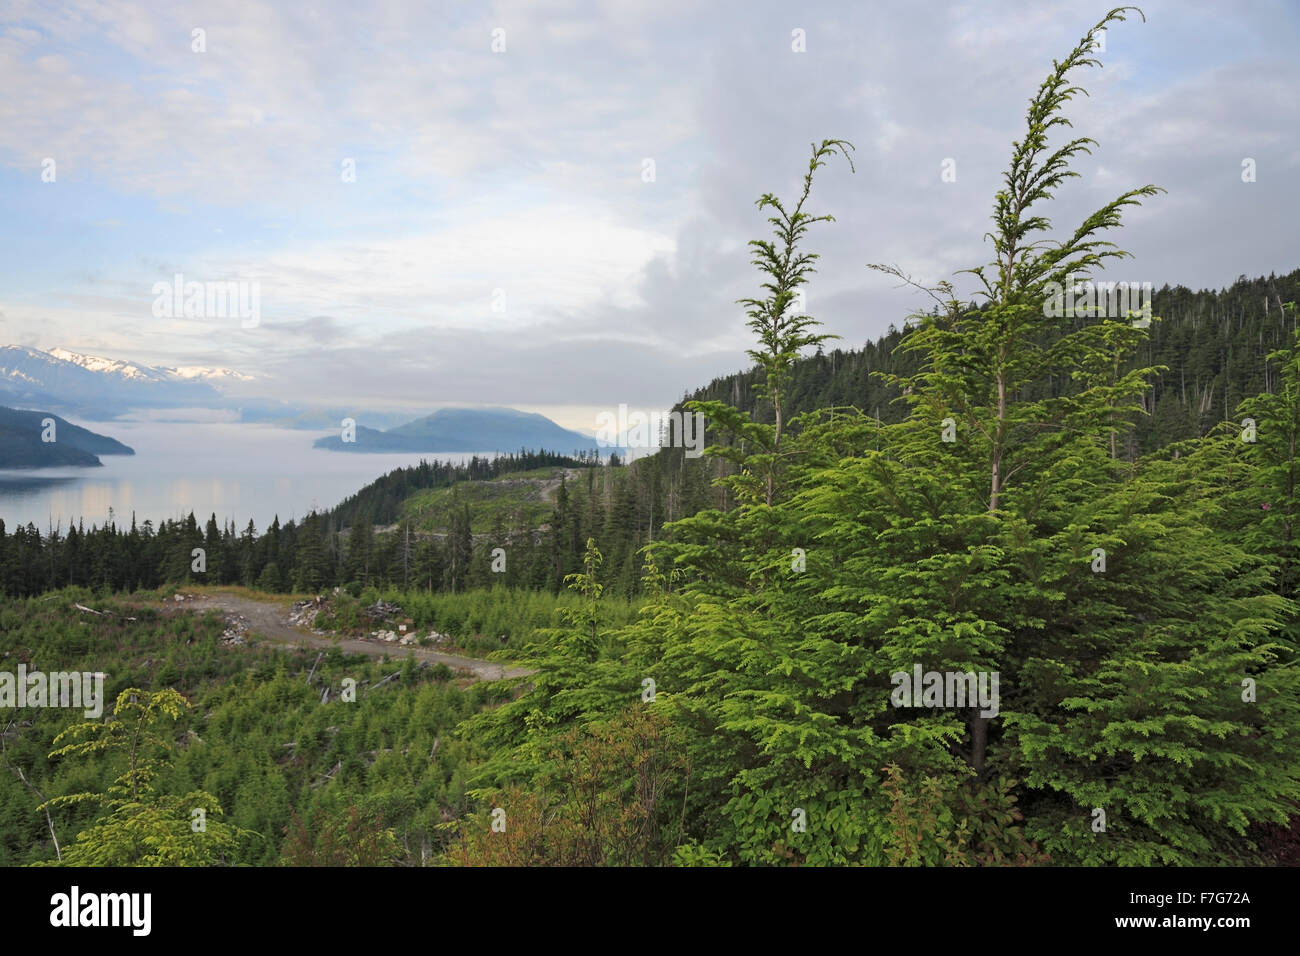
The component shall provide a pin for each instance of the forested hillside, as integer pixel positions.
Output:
(1211, 347)
(32, 439)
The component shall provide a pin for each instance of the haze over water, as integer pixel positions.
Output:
(236, 471)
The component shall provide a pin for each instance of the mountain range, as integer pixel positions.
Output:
(145, 373)
(100, 389)
(96, 388)
(467, 429)
(89, 386)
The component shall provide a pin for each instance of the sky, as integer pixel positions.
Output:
(546, 205)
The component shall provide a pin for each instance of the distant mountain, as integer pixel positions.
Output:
(100, 388)
(22, 444)
(111, 367)
(285, 415)
(467, 429)
(149, 373)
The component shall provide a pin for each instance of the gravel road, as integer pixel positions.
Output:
(268, 620)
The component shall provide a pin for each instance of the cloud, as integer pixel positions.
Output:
(321, 329)
(500, 243)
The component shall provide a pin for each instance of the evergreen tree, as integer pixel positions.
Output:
(460, 549)
(783, 331)
(142, 827)
(249, 568)
(214, 553)
(360, 550)
(312, 570)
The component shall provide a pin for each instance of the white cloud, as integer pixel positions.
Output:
(521, 171)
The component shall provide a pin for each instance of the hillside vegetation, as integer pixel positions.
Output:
(518, 499)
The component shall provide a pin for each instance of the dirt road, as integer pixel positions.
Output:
(268, 620)
(552, 485)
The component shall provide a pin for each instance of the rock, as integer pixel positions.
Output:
(178, 598)
(236, 628)
(303, 613)
(382, 611)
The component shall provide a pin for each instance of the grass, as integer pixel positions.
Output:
(480, 621)
(513, 500)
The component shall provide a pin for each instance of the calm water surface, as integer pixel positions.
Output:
(235, 471)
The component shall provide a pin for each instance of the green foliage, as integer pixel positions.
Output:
(693, 854)
(607, 795)
(480, 621)
(781, 332)
(142, 828)
(354, 839)
(513, 498)
(257, 747)
(1121, 686)
(947, 822)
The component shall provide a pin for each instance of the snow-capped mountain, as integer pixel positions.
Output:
(97, 387)
(107, 366)
(148, 373)
(215, 375)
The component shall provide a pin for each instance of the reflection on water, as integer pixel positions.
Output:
(237, 472)
(16, 484)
